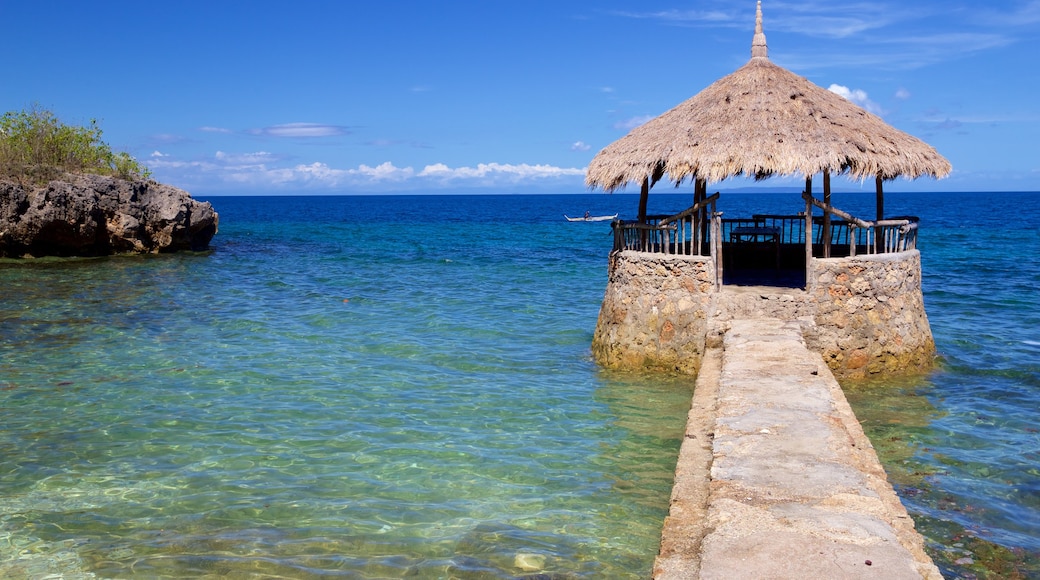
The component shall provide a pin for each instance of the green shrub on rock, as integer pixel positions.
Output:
(36, 146)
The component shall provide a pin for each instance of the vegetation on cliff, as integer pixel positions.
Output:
(35, 146)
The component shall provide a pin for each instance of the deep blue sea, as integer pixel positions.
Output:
(392, 386)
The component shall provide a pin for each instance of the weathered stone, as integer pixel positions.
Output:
(775, 477)
(93, 215)
(669, 330)
(886, 320)
(863, 314)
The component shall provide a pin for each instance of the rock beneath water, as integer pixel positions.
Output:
(95, 215)
(529, 562)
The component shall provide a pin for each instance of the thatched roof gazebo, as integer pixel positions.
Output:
(763, 120)
(666, 295)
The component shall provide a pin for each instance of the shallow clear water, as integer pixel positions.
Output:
(967, 458)
(391, 386)
(371, 386)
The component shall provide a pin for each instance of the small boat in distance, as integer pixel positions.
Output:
(591, 218)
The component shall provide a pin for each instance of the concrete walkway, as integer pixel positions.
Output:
(795, 488)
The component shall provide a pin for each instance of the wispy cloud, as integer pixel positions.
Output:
(632, 123)
(682, 17)
(940, 118)
(888, 34)
(298, 130)
(255, 159)
(951, 43)
(900, 52)
(208, 129)
(580, 146)
(825, 19)
(167, 139)
(1025, 14)
(946, 125)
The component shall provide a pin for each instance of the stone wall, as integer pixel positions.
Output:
(870, 315)
(865, 315)
(654, 312)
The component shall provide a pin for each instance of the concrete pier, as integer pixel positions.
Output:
(776, 478)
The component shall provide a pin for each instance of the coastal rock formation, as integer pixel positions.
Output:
(94, 215)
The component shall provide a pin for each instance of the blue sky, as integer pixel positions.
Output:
(389, 96)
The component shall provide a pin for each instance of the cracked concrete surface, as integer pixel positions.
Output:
(775, 478)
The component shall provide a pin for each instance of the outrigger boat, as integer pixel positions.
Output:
(592, 218)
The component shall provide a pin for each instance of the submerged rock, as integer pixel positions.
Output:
(94, 215)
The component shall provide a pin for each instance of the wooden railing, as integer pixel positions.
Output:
(701, 231)
(686, 233)
(695, 231)
(897, 234)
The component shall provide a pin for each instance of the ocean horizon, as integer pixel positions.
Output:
(401, 385)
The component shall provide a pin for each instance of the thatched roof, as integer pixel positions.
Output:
(759, 121)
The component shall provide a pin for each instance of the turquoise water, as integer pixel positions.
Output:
(370, 387)
(967, 436)
(382, 387)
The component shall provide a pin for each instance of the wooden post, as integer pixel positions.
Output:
(716, 246)
(695, 219)
(644, 194)
(880, 199)
(827, 213)
(701, 187)
(880, 209)
(808, 227)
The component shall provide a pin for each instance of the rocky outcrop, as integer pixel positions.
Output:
(93, 215)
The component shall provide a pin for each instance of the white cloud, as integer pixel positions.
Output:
(436, 170)
(486, 173)
(320, 175)
(857, 96)
(902, 94)
(580, 146)
(259, 171)
(385, 171)
(208, 129)
(158, 154)
(301, 130)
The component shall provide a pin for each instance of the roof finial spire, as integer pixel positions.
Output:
(758, 43)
